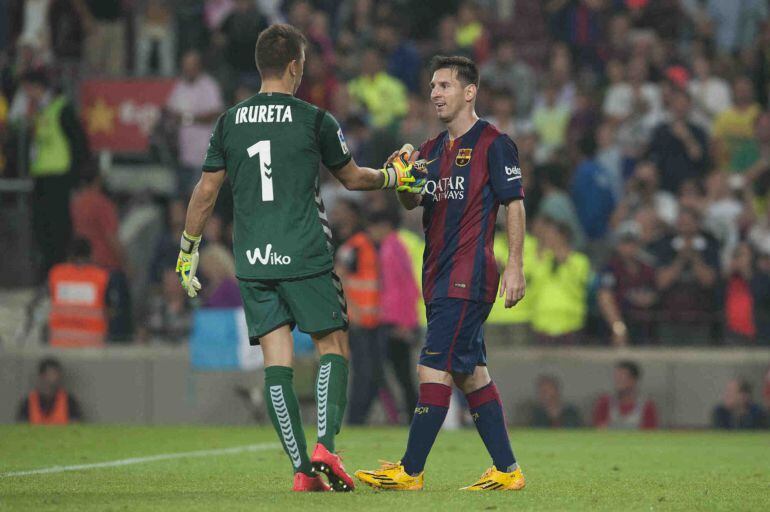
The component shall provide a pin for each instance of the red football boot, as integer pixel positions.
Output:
(330, 464)
(305, 483)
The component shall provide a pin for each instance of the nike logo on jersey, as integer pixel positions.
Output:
(429, 353)
(422, 164)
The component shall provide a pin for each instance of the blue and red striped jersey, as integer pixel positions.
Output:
(468, 179)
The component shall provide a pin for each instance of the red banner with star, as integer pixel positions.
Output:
(119, 115)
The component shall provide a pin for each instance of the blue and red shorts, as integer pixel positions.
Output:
(455, 338)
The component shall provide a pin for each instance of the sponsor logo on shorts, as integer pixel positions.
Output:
(269, 257)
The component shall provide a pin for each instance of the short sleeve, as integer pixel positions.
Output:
(334, 150)
(504, 170)
(215, 154)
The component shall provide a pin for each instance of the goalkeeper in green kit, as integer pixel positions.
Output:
(271, 146)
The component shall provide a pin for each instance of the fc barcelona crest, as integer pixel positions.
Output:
(463, 157)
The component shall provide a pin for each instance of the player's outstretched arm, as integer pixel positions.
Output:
(513, 284)
(201, 203)
(354, 177)
(409, 200)
(397, 173)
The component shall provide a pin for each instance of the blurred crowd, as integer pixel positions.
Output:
(642, 128)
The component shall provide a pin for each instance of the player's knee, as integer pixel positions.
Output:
(427, 375)
(333, 343)
(470, 383)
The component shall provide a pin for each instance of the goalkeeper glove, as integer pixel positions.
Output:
(187, 263)
(398, 170)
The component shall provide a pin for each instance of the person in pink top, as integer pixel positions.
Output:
(195, 103)
(398, 302)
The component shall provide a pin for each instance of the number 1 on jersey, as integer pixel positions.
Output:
(262, 148)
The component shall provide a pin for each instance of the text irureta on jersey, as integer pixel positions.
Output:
(263, 114)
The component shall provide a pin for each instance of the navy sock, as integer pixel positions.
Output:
(487, 411)
(432, 406)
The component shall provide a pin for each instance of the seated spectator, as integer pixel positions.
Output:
(155, 38)
(710, 93)
(760, 291)
(556, 204)
(49, 403)
(687, 276)
(627, 293)
(217, 268)
(237, 37)
(551, 119)
(550, 411)
(402, 57)
(642, 190)
(733, 130)
(625, 408)
(737, 410)
(505, 71)
(679, 147)
(105, 49)
(471, 33)
(739, 302)
(319, 83)
(504, 112)
(383, 96)
(593, 194)
(78, 291)
(635, 106)
(559, 294)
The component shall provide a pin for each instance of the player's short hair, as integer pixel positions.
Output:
(277, 46)
(466, 69)
(631, 367)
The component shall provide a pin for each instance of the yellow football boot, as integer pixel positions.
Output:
(391, 477)
(494, 480)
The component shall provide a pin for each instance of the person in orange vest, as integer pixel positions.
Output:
(357, 264)
(49, 403)
(78, 290)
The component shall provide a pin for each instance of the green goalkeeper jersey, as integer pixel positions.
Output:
(271, 146)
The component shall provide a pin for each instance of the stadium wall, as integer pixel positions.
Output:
(157, 386)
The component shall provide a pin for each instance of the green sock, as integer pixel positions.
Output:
(331, 394)
(283, 407)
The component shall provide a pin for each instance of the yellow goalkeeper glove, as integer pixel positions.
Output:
(187, 263)
(398, 171)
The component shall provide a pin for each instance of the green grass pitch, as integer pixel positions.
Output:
(582, 470)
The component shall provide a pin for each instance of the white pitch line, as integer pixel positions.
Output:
(151, 458)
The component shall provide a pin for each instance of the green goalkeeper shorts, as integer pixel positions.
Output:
(315, 304)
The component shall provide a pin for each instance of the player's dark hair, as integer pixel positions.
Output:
(466, 69)
(48, 363)
(277, 46)
(631, 367)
